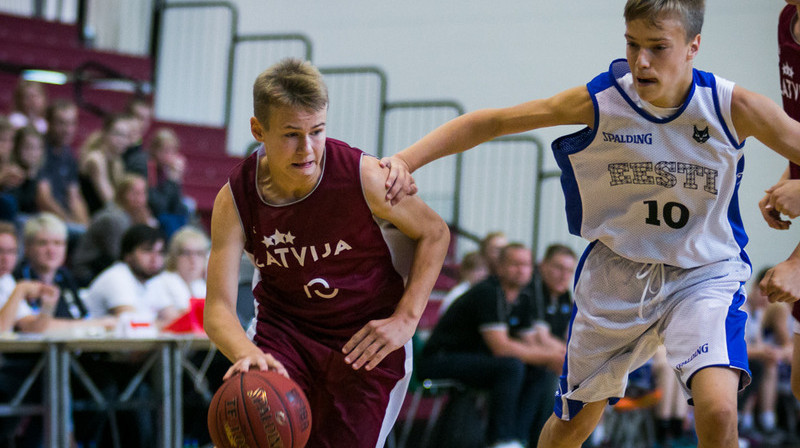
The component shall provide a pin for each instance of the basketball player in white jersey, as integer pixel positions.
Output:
(652, 182)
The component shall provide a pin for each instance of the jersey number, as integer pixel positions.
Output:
(668, 214)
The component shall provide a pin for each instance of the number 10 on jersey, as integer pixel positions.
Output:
(674, 214)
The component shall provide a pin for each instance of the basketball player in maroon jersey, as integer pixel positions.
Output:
(782, 282)
(343, 276)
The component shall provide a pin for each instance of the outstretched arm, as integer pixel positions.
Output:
(573, 106)
(378, 338)
(755, 115)
(219, 315)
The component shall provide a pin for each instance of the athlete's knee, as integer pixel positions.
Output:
(716, 416)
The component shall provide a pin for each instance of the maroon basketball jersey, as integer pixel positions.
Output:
(325, 261)
(789, 65)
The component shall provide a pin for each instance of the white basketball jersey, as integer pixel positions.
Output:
(656, 190)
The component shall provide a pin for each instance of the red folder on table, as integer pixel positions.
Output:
(191, 321)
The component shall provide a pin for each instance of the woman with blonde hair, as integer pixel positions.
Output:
(184, 276)
(100, 165)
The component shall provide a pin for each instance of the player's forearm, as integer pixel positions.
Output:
(429, 256)
(225, 331)
(457, 135)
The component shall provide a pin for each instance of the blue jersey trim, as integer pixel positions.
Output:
(706, 79)
(734, 215)
(618, 69)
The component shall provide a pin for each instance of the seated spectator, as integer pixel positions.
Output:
(99, 247)
(44, 299)
(552, 283)
(184, 276)
(11, 175)
(551, 289)
(165, 170)
(135, 157)
(58, 191)
(9, 252)
(487, 339)
(122, 288)
(768, 344)
(473, 269)
(29, 155)
(45, 237)
(30, 104)
(490, 248)
(100, 166)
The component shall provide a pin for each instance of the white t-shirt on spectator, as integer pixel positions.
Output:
(115, 287)
(168, 289)
(7, 285)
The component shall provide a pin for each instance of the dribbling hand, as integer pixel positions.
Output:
(262, 361)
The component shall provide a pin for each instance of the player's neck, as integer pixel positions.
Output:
(277, 190)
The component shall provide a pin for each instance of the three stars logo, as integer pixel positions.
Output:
(278, 238)
(787, 70)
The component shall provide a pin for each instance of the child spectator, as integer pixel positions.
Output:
(30, 103)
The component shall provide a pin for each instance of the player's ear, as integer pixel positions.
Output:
(694, 47)
(256, 129)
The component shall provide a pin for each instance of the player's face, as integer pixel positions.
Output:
(660, 59)
(516, 267)
(47, 251)
(557, 273)
(294, 145)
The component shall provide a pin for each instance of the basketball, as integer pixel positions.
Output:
(257, 409)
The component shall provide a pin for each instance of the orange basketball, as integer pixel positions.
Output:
(257, 409)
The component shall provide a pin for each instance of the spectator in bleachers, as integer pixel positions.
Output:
(45, 241)
(768, 344)
(471, 270)
(184, 276)
(551, 289)
(99, 247)
(135, 156)
(488, 339)
(43, 299)
(11, 175)
(29, 155)
(490, 248)
(58, 191)
(552, 283)
(9, 252)
(165, 170)
(122, 288)
(30, 104)
(100, 165)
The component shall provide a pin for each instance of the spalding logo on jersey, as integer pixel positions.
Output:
(700, 136)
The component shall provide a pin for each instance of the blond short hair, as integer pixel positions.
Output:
(177, 242)
(291, 82)
(44, 222)
(689, 12)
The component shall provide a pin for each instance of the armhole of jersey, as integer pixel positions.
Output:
(723, 93)
(238, 213)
